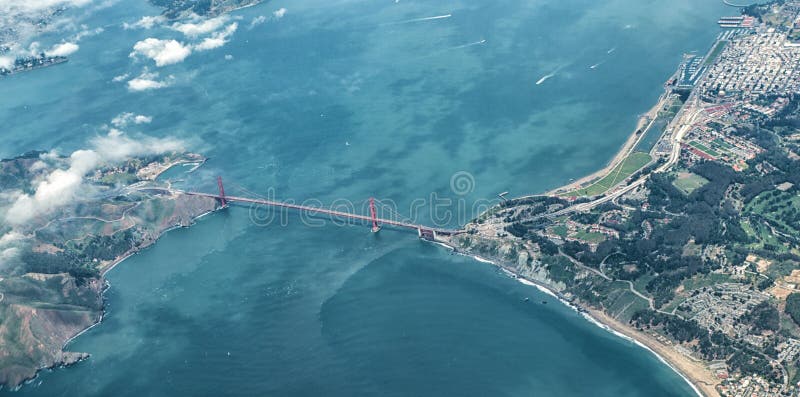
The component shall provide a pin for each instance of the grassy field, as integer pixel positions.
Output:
(673, 109)
(621, 303)
(762, 235)
(688, 182)
(776, 206)
(631, 164)
(590, 237)
(780, 208)
(703, 148)
(715, 52)
(560, 230)
(700, 281)
(723, 144)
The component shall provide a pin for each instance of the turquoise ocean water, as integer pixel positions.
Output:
(345, 100)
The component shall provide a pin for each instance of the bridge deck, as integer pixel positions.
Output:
(316, 210)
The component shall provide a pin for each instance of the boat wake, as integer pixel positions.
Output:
(470, 44)
(433, 18)
(545, 78)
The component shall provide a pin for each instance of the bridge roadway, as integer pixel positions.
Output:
(340, 214)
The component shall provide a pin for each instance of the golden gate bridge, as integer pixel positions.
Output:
(424, 232)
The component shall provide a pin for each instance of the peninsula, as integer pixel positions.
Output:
(52, 265)
(688, 242)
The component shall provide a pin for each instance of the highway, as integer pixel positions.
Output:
(681, 124)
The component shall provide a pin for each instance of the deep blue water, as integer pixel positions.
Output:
(339, 100)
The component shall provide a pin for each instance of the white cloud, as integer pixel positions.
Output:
(37, 166)
(148, 81)
(11, 7)
(9, 247)
(279, 13)
(20, 21)
(9, 238)
(228, 57)
(8, 254)
(142, 119)
(147, 22)
(62, 49)
(210, 43)
(120, 78)
(217, 39)
(58, 189)
(164, 52)
(123, 119)
(119, 148)
(86, 32)
(168, 52)
(140, 84)
(63, 186)
(34, 48)
(198, 29)
(6, 62)
(257, 21)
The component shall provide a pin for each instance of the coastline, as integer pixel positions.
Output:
(106, 286)
(148, 174)
(627, 148)
(694, 373)
(699, 378)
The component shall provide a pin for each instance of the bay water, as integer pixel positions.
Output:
(413, 102)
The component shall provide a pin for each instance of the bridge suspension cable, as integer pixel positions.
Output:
(373, 218)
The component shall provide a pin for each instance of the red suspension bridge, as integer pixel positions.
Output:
(425, 232)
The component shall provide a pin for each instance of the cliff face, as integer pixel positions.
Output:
(520, 258)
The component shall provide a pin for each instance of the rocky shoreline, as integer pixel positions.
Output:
(67, 358)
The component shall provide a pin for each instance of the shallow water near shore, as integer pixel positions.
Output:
(347, 100)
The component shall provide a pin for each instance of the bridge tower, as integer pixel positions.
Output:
(375, 227)
(222, 199)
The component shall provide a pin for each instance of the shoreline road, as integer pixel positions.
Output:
(681, 124)
(645, 123)
(686, 119)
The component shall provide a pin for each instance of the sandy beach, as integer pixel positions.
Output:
(645, 122)
(695, 372)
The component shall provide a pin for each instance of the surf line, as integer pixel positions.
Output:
(419, 19)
